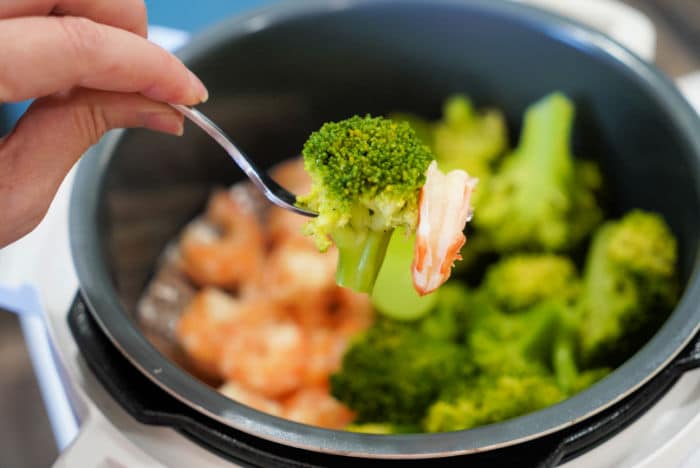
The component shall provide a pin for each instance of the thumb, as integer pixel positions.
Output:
(49, 139)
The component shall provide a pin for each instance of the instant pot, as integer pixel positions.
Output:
(277, 74)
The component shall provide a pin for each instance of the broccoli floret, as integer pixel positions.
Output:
(489, 399)
(531, 201)
(469, 140)
(586, 214)
(366, 175)
(565, 356)
(393, 373)
(516, 344)
(423, 128)
(523, 280)
(629, 286)
(447, 320)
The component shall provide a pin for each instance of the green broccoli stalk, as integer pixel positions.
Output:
(366, 175)
(565, 355)
(629, 286)
(531, 202)
(393, 373)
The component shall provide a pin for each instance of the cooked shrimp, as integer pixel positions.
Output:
(226, 251)
(212, 317)
(325, 354)
(283, 224)
(352, 312)
(315, 406)
(201, 329)
(444, 209)
(267, 358)
(242, 395)
(295, 268)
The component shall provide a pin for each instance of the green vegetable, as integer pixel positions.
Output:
(394, 294)
(366, 176)
(423, 128)
(523, 280)
(448, 319)
(629, 285)
(469, 140)
(393, 373)
(490, 399)
(532, 200)
(516, 344)
(565, 357)
(534, 331)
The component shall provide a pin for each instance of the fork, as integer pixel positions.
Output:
(273, 191)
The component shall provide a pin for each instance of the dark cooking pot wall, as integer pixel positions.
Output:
(276, 77)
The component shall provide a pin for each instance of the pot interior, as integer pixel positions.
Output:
(274, 79)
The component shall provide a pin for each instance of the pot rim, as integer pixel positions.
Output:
(106, 308)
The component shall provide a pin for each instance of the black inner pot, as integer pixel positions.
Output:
(276, 75)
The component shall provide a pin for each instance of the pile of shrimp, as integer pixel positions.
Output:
(268, 319)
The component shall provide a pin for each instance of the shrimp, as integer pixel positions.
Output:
(283, 224)
(201, 330)
(296, 269)
(211, 318)
(443, 211)
(242, 395)
(352, 312)
(325, 354)
(227, 250)
(268, 358)
(315, 406)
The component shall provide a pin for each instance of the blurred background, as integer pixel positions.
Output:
(25, 435)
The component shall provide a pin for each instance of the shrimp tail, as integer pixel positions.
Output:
(444, 209)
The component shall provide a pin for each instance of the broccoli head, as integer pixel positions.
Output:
(366, 176)
(534, 199)
(447, 320)
(523, 280)
(489, 399)
(565, 361)
(469, 140)
(629, 286)
(423, 128)
(392, 373)
(515, 344)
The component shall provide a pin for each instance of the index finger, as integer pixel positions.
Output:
(45, 55)
(124, 14)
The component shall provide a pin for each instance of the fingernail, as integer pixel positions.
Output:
(201, 91)
(166, 122)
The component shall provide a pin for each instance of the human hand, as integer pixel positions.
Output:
(91, 69)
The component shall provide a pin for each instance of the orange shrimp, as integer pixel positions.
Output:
(268, 358)
(325, 354)
(201, 330)
(283, 224)
(242, 395)
(352, 312)
(443, 211)
(295, 269)
(315, 406)
(226, 251)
